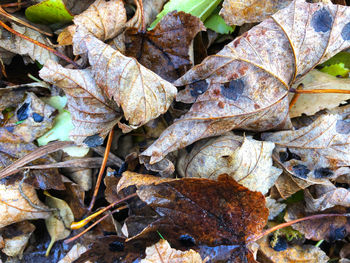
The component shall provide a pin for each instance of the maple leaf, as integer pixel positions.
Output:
(246, 84)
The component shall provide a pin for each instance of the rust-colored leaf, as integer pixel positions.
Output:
(246, 84)
(165, 49)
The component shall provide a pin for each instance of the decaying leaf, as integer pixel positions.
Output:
(246, 84)
(103, 19)
(309, 104)
(208, 212)
(58, 224)
(287, 184)
(142, 94)
(93, 115)
(246, 160)
(162, 252)
(20, 46)
(15, 208)
(275, 208)
(165, 49)
(294, 253)
(317, 152)
(74, 253)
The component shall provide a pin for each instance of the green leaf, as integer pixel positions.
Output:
(216, 23)
(48, 12)
(341, 57)
(336, 70)
(199, 8)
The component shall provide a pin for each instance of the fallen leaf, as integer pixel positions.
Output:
(15, 208)
(287, 185)
(162, 252)
(93, 115)
(144, 100)
(294, 253)
(246, 160)
(74, 253)
(230, 88)
(16, 237)
(58, 224)
(165, 49)
(321, 197)
(22, 47)
(275, 208)
(317, 152)
(151, 8)
(208, 212)
(309, 104)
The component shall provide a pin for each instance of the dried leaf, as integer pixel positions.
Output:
(15, 208)
(93, 115)
(205, 211)
(21, 46)
(311, 103)
(321, 197)
(246, 160)
(317, 152)
(58, 224)
(275, 208)
(294, 253)
(230, 87)
(162, 252)
(287, 184)
(142, 94)
(74, 253)
(165, 49)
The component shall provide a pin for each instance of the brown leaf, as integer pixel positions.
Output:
(15, 208)
(294, 253)
(93, 114)
(162, 252)
(246, 84)
(246, 160)
(287, 184)
(211, 213)
(141, 94)
(165, 49)
(317, 152)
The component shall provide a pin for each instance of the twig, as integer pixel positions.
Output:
(319, 91)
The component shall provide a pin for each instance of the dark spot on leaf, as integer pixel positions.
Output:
(122, 169)
(233, 89)
(343, 126)
(93, 140)
(300, 170)
(288, 155)
(280, 245)
(22, 112)
(116, 246)
(337, 234)
(197, 88)
(345, 33)
(323, 172)
(37, 117)
(10, 129)
(322, 20)
(109, 233)
(187, 241)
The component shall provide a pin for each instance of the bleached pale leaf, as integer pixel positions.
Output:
(23, 47)
(74, 253)
(309, 104)
(93, 114)
(246, 160)
(142, 94)
(275, 207)
(162, 252)
(14, 208)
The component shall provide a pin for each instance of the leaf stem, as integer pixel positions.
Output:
(319, 91)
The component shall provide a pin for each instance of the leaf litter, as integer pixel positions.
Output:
(180, 185)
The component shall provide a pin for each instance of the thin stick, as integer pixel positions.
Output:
(102, 169)
(15, 4)
(50, 49)
(320, 91)
(77, 225)
(142, 16)
(296, 96)
(272, 229)
(19, 21)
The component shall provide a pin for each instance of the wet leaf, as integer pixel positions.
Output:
(49, 12)
(204, 212)
(294, 253)
(93, 115)
(15, 208)
(230, 88)
(147, 97)
(309, 104)
(165, 49)
(22, 47)
(317, 152)
(162, 252)
(58, 224)
(246, 160)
